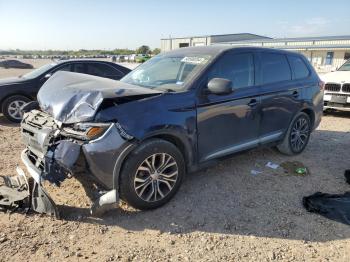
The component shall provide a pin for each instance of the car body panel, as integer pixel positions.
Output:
(74, 97)
(103, 164)
(30, 87)
(227, 120)
(204, 126)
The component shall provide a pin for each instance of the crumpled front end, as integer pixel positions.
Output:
(55, 151)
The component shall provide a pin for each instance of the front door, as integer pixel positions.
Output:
(229, 123)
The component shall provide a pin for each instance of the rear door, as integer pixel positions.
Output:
(229, 123)
(280, 95)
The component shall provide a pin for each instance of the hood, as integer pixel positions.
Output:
(12, 80)
(336, 77)
(73, 97)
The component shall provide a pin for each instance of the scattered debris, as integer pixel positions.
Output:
(255, 172)
(286, 168)
(272, 165)
(332, 206)
(294, 168)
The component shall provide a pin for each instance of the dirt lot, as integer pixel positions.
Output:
(222, 213)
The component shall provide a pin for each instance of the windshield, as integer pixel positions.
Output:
(39, 71)
(167, 73)
(345, 66)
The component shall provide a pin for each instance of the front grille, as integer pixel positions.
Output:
(332, 87)
(346, 88)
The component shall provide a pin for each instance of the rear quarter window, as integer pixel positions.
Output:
(299, 67)
(274, 68)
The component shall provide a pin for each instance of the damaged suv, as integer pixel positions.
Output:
(172, 115)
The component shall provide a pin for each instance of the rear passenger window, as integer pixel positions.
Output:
(79, 68)
(239, 68)
(298, 66)
(99, 69)
(274, 68)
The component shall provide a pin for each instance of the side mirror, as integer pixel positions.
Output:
(220, 86)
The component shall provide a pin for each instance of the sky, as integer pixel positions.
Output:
(110, 24)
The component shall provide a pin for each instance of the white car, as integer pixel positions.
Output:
(337, 88)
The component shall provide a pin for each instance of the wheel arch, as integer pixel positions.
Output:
(178, 142)
(310, 112)
(13, 94)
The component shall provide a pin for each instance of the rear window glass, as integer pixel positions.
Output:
(299, 68)
(274, 68)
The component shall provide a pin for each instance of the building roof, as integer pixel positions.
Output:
(293, 43)
(295, 39)
(238, 36)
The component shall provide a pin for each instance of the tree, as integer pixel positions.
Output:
(143, 50)
(156, 51)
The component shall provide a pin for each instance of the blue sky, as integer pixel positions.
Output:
(107, 24)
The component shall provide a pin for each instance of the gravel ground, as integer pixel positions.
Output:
(221, 213)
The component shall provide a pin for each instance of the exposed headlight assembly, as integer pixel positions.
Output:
(87, 131)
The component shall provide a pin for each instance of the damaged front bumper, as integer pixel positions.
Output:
(19, 192)
(53, 157)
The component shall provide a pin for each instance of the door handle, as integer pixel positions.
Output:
(253, 103)
(295, 94)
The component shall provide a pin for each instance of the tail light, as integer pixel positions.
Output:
(321, 84)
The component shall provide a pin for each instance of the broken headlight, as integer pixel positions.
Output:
(87, 131)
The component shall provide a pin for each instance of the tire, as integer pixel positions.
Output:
(9, 105)
(137, 181)
(290, 145)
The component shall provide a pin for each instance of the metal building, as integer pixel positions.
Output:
(326, 53)
(178, 42)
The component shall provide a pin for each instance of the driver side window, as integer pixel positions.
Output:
(239, 68)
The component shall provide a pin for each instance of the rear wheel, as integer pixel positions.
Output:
(151, 175)
(297, 136)
(11, 107)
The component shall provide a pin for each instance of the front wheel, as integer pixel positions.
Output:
(11, 107)
(297, 136)
(151, 175)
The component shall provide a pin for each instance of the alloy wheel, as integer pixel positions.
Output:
(299, 134)
(156, 177)
(14, 109)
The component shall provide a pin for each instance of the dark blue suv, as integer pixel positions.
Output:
(179, 111)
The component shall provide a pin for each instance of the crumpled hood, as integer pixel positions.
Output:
(73, 97)
(336, 77)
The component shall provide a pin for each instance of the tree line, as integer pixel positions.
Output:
(144, 49)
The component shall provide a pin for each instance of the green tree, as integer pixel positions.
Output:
(143, 50)
(156, 51)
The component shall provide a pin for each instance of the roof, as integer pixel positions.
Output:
(216, 49)
(240, 36)
(81, 60)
